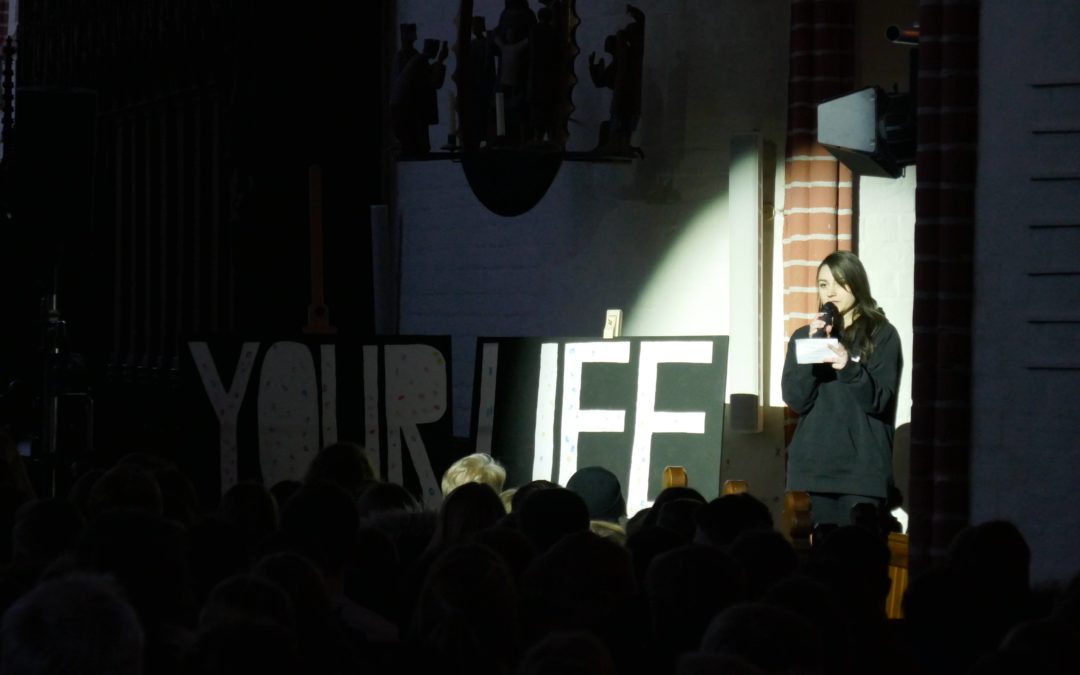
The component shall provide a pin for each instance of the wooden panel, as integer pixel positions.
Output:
(898, 575)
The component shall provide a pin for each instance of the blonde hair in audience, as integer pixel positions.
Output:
(478, 467)
(507, 497)
(608, 530)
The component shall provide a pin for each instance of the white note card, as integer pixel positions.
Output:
(814, 350)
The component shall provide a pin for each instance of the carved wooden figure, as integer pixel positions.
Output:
(623, 76)
(413, 98)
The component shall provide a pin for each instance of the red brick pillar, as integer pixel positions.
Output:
(818, 194)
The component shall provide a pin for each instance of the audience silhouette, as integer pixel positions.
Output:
(343, 573)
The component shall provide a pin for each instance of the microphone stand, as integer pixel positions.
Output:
(54, 333)
(58, 362)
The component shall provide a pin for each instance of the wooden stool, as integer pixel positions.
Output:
(734, 487)
(898, 575)
(675, 476)
(795, 522)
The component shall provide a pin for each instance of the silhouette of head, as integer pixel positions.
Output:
(583, 582)
(468, 509)
(546, 516)
(344, 464)
(576, 653)
(379, 497)
(122, 488)
(527, 489)
(600, 490)
(773, 639)
(722, 519)
(320, 521)
(77, 625)
(669, 494)
(44, 529)
(479, 26)
(252, 509)
(767, 558)
(466, 616)
(686, 587)
(247, 599)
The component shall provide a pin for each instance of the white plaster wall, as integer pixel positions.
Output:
(1024, 465)
(596, 240)
(887, 249)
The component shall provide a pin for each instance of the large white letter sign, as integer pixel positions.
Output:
(416, 393)
(288, 409)
(649, 420)
(328, 393)
(226, 404)
(371, 406)
(574, 419)
(489, 375)
(544, 434)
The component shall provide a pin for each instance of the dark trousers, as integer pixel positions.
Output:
(835, 509)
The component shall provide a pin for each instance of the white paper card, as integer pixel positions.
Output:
(814, 350)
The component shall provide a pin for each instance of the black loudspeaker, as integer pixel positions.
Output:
(871, 131)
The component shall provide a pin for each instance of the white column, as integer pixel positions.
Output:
(745, 224)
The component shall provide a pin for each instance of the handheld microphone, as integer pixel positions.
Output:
(829, 314)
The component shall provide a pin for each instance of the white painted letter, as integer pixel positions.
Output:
(288, 412)
(416, 393)
(574, 419)
(650, 421)
(544, 436)
(328, 369)
(226, 404)
(371, 407)
(485, 413)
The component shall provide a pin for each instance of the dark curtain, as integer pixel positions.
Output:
(948, 94)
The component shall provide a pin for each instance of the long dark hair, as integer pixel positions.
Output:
(849, 272)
